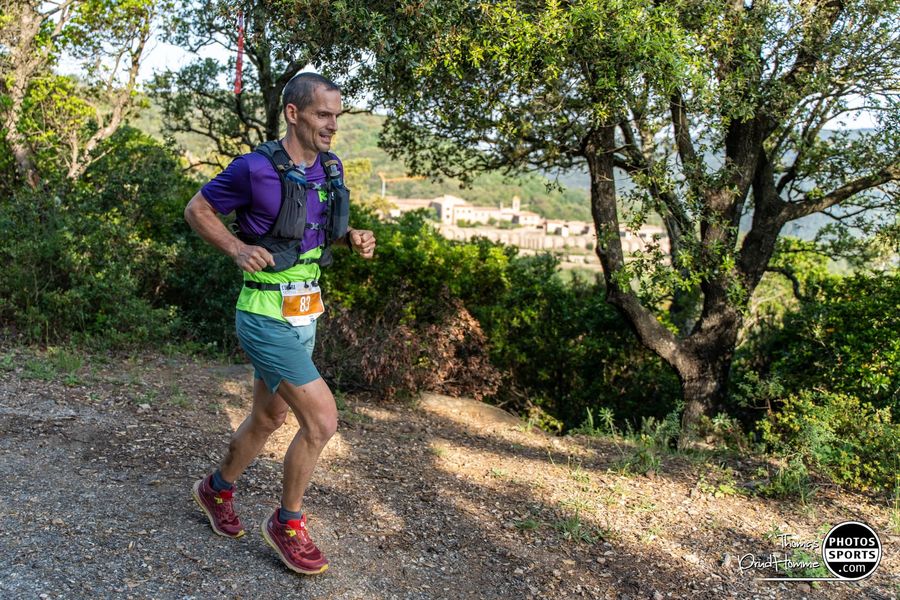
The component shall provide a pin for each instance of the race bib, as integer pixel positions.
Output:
(301, 303)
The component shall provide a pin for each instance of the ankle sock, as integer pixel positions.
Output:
(285, 515)
(218, 483)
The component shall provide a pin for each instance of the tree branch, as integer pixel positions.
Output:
(795, 283)
(609, 249)
(813, 205)
(806, 60)
(693, 169)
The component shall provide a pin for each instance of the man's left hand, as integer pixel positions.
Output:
(362, 241)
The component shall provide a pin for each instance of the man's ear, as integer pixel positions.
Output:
(290, 113)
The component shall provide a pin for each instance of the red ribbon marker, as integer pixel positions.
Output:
(240, 53)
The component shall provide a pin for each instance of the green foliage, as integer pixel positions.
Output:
(895, 508)
(54, 123)
(604, 424)
(844, 341)
(538, 417)
(826, 372)
(56, 112)
(655, 438)
(559, 345)
(567, 342)
(849, 440)
(642, 460)
(802, 564)
(719, 481)
(528, 524)
(790, 480)
(109, 257)
(573, 529)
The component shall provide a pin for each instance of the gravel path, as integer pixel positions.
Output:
(448, 498)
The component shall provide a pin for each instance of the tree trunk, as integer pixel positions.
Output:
(24, 60)
(702, 359)
(704, 382)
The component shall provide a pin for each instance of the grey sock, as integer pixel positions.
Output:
(285, 515)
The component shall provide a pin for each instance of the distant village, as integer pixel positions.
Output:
(574, 241)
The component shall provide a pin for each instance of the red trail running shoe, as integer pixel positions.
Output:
(292, 544)
(219, 508)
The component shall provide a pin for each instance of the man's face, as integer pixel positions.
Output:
(316, 124)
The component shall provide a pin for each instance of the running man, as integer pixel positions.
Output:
(291, 206)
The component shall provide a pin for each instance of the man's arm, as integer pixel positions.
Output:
(203, 219)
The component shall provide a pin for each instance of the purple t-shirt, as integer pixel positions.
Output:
(251, 187)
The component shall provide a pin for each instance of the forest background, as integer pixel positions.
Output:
(97, 167)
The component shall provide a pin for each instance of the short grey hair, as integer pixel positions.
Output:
(300, 89)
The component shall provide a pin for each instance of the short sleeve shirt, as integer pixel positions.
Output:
(251, 188)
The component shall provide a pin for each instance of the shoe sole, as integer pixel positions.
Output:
(293, 568)
(195, 492)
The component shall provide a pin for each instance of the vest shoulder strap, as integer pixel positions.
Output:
(277, 155)
(331, 165)
(280, 160)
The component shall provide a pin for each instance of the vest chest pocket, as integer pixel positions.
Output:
(301, 302)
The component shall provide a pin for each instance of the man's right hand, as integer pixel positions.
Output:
(203, 219)
(253, 258)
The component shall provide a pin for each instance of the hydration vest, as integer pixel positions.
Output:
(284, 237)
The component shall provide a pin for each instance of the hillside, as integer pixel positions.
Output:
(443, 498)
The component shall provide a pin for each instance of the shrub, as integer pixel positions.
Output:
(388, 357)
(565, 344)
(850, 441)
(101, 257)
(846, 340)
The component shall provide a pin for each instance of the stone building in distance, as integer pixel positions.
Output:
(575, 240)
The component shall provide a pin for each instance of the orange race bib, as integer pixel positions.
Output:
(301, 302)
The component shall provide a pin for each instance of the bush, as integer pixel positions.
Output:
(559, 347)
(105, 257)
(74, 272)
(828, 381)
(564, 344)
(846, 340)
(850, 441)
(383, 355)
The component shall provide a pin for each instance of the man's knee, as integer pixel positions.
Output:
(322, 427)
(271, 420)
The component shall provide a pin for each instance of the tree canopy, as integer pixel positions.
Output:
(280, 39)
(48, 118)
(714, 110)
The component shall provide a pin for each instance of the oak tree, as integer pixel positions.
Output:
(717, 114)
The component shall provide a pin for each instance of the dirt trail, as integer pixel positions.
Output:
(447, 498)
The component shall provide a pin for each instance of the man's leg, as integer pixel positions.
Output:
(315, 409)
(214, 493)
(285, 530)
(268, 414)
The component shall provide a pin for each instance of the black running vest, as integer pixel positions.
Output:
(284, 237)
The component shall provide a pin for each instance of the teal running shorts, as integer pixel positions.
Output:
(279, 351)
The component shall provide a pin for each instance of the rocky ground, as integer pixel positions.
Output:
(441, 498)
